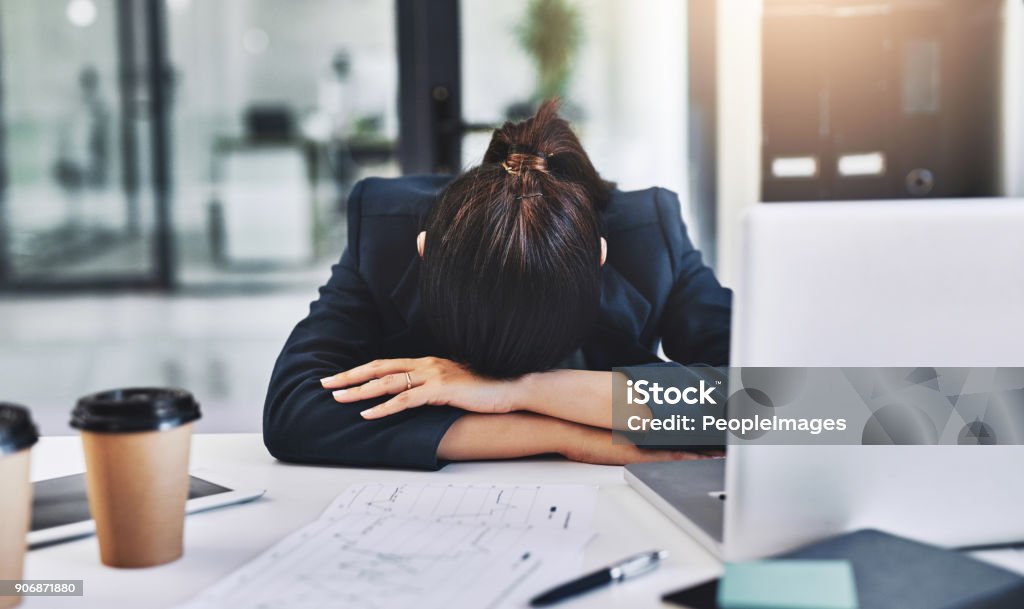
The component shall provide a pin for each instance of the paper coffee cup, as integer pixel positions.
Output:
(136, 444)
(17, 435)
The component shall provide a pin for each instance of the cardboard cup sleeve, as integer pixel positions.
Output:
(136, 444)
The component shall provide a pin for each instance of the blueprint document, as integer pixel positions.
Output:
(420, 545)
(560, 506)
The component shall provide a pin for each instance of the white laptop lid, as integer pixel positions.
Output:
(885, 283)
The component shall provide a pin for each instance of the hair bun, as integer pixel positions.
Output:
(545, 148)
(522, 157)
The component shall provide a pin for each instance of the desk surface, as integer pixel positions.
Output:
(220, 541)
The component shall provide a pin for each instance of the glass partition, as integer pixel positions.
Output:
(72, 209)
(229, 166)
(620, 67)
(279, 108)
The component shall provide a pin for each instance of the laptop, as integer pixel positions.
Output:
(879, 283)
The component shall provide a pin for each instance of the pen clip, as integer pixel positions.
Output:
(636, 565)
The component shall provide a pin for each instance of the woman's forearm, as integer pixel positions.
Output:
(580, 396)
(477, 437)
(504, 436)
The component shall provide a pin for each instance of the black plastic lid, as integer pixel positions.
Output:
(17, 431)
(134, 409)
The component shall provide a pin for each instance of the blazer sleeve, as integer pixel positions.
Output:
(695, 324)
(302, 422)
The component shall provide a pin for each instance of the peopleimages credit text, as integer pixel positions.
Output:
(645, 393)
(668, 405)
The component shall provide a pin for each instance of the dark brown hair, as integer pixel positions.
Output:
(511, 277)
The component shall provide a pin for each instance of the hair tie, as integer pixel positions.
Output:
(530, 196)
(520, 156)
(520, 149)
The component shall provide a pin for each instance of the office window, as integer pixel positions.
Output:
(624, 81)
(279, 107)
(75, 206)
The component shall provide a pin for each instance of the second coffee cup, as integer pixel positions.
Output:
(136, 444)
(17, 435)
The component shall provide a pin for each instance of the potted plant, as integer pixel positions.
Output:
(550, 34)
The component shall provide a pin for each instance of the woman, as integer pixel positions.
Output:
(479, 318)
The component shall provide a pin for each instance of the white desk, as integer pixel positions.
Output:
(218, 542)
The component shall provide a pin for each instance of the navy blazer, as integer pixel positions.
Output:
(655, 288)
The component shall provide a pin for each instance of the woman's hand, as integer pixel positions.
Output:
(602, 447)
(520, 434)
(420, 382)
(604, 451)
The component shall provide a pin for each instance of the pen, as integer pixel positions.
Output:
(617, 572)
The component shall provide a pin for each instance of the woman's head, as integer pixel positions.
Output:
(511, 277)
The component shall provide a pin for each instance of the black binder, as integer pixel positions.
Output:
(896, 573)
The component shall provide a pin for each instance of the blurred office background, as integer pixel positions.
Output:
(174, 173)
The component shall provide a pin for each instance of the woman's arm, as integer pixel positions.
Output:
(578, 396)
(695, 324)
(499, 423)
(507, 436)
(581, 396)
(301, 422)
